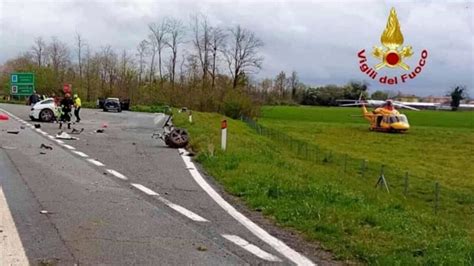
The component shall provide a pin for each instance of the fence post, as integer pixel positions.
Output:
(436, 206)
(405, 184)
(381, 181)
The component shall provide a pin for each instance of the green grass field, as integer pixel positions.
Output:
(341, 209)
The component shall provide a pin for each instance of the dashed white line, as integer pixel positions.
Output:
(145, 189)
(69, 147)
(251, 248)
(117, 174)
(80, 153)
(274, 242)
(92, 161)
(191, 215)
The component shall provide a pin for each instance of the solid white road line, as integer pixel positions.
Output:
(80, 153)
(69, 147)
(92, 161)
(145, 189)
(51, 137)
(274, 242)
(117, 174)
(251, 248)
(59, 141)
(191, 215)
(11, 248)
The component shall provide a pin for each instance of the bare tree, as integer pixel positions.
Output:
(88, 73)
(242, 53)
(59, 57)
(80, 44)
(159, 33)
(39, 51)
(201, 41)
(175, 31)
(141, 52)
(153, 49)
(217, 41)
(293, 82)
(280, 84)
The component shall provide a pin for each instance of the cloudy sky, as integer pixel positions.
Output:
(318, 39)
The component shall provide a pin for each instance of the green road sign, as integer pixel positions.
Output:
(22, 89)
(22, 84)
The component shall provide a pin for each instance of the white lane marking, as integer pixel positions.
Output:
(69, 147)
(51, 137)
(92, 161)
(117, 174)
(11, 248)
(145, 189)
(59, 141)
(191, 215)
(274, 242)
(80, 153)
(251, 248)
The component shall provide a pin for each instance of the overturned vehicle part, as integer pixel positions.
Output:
(173, 137)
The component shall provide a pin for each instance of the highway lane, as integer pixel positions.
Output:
(138, 165)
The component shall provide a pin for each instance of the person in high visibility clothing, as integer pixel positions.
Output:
(77, 107)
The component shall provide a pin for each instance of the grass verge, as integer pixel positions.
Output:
(341, 210)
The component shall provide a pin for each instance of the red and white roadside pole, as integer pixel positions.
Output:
(190, 117)
(224, 134)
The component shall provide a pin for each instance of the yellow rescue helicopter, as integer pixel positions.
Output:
(385, 118)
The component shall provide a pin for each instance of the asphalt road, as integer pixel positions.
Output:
(120, 198)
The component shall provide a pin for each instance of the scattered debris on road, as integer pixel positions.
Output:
(44, 212)
(22, 127)
(44, 146)
(37, 126)
(77, 132)
(4, 117)
(64, 135)
(104, 125)
(99, 131)
(13, 132)
(201, 248)
(42, 152)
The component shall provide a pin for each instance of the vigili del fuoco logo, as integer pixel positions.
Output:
(391, 55)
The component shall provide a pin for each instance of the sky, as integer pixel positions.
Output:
(319, 40)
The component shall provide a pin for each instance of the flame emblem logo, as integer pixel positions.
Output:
(392, 53)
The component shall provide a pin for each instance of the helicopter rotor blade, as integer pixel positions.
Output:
(405, 106)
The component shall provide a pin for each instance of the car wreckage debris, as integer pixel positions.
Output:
(44, 146)
(37, 126)
(13, 132)
(64, 135)
(77, 132)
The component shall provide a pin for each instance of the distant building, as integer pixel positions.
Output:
(411, 98)
(437, 99)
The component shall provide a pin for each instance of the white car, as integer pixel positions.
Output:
(45, 110)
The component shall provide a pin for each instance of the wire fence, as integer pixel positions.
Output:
(393, 180)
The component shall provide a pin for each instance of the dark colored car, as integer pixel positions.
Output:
(124, 104)
(112, 104)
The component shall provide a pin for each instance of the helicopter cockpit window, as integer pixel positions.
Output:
(403, 118)
(393, 119)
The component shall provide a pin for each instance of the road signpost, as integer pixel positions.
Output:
(22, 84)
